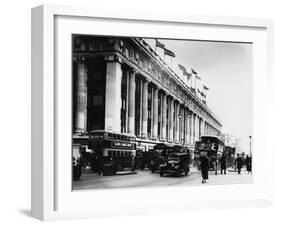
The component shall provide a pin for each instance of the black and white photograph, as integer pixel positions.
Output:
(150, 112)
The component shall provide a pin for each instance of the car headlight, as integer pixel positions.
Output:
(176, 167)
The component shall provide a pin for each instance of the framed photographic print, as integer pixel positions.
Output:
(135, 112)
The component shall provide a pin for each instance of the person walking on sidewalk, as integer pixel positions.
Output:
(248, 163)
(204, 168)
(223, 164)
(239, 163)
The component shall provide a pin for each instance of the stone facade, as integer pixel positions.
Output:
(124, 85)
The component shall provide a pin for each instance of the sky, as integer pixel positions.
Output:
(227, 70)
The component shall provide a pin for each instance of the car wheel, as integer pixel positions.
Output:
(161, 174)
(186, 172)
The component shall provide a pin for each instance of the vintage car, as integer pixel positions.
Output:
(156, 162)
(159, 155)
(176, 164)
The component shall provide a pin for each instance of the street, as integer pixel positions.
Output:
(145, 178)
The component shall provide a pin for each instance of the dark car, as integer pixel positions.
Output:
(159, 155)
(156, 161)
(176, 164)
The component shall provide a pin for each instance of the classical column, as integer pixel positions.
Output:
(203, 127)
(127, 100)
(155, 114)
(81, 98)
(177, 122)
(160, 115)
(141, 98)
(199, 127)
(132, 92)
(144, 108)
(171, 120)
(182, 125)
(193, 128)
(164, 116)
(168, 118)
(113, 95)
(186, 127)
(190, 128)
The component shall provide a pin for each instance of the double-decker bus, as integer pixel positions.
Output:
(119, 148)
(211, 146)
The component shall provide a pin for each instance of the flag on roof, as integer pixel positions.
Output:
(194, 72)
(182, 67)
(197, 77)
(205, 87)
(159, 44)
(185, 73)
(169, 53)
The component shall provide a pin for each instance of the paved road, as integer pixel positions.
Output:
(145, 178)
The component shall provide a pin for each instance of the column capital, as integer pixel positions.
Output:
(113, 58)
(80, 59)
(132, 70)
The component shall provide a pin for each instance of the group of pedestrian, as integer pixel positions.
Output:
(204, 164)
(239, 162)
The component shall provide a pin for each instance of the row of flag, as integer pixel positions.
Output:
(188, 75)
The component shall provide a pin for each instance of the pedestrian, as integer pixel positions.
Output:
(133, 163)
(99, 164)
(223, 164)
(248, 163)
(239, 163)
(204, 168)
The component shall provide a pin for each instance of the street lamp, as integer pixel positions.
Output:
(250, 137)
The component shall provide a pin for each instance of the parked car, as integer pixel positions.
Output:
(176, 164)
(156, 162)
(159, 155)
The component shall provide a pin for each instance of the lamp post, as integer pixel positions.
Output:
(250, 137)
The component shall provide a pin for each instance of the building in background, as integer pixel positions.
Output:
(136, 86)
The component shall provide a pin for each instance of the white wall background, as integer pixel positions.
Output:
(15, 112)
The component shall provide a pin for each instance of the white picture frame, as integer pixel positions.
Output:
(52, 197)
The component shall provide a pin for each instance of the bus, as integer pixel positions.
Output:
(212, 147)
(117, 148)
